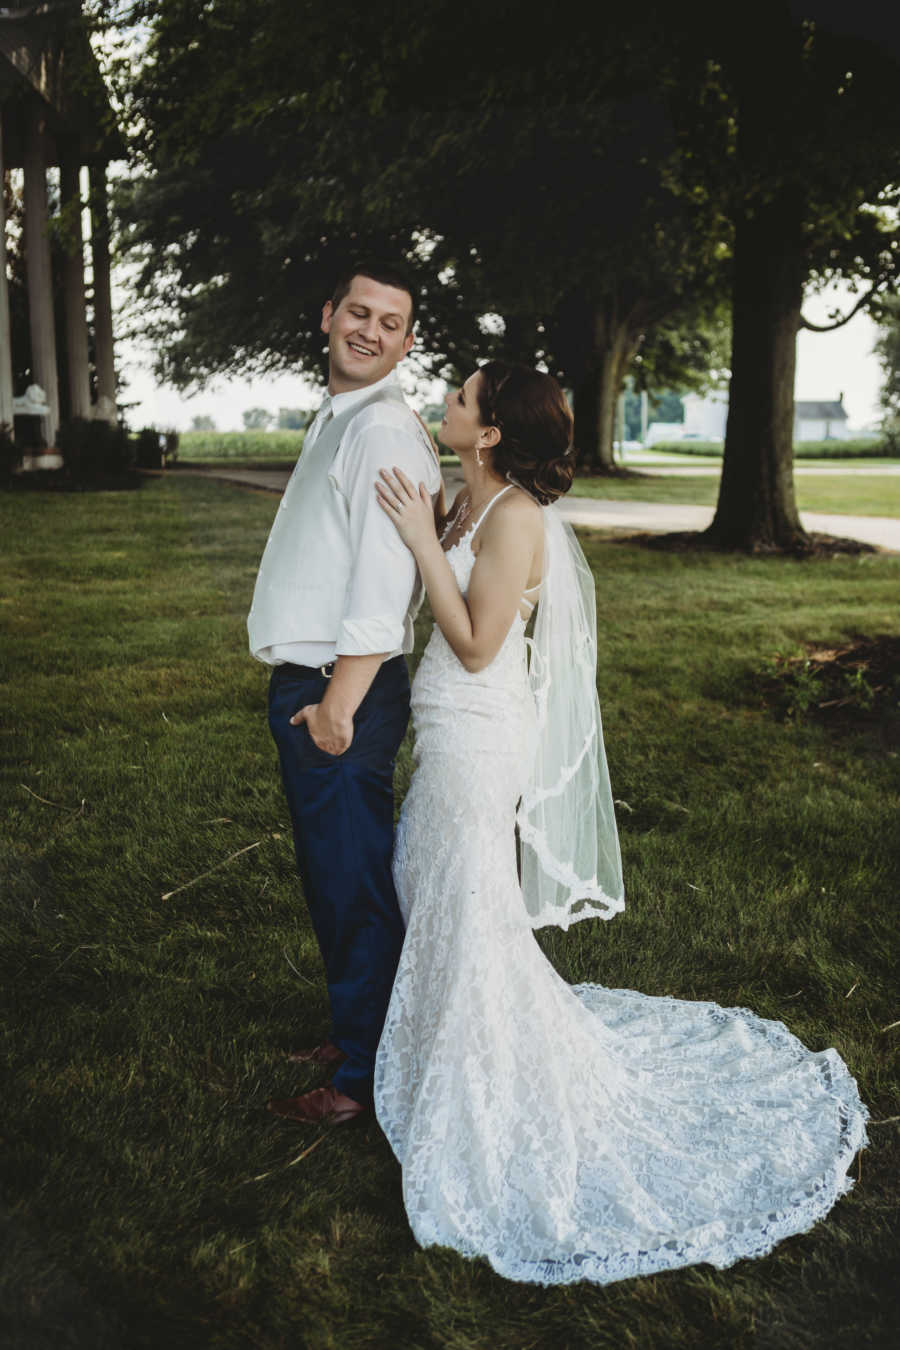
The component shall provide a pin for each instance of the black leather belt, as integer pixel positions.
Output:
(327, 670)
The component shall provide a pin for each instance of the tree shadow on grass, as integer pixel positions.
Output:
(42, 1305)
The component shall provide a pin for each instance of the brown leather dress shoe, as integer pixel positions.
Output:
(326, 1053)
(322, 1106)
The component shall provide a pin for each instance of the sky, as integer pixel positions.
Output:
(828, 364)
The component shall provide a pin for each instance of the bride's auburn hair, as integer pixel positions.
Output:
(530, 411)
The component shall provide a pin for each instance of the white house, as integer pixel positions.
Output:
(705, 417)
(820, 421)
(54, 111)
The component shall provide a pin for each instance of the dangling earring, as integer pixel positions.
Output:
(477, 456)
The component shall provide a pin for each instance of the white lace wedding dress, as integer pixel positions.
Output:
(571, 1133)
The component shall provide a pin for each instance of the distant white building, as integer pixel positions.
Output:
(705, 416)
(820, 421)
(664, 431)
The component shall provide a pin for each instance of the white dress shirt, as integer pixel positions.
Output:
(384, 591)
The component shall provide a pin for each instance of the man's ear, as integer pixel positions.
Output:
(408, 342)
(327, 313)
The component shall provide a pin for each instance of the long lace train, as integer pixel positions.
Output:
(570, 1133)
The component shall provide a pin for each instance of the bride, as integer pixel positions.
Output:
(564, 1133)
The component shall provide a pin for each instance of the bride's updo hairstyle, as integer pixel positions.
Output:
(530, 411)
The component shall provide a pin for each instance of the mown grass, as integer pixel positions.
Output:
(844, 494)
(150, 1199)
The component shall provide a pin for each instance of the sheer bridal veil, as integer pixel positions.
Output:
(571, 866)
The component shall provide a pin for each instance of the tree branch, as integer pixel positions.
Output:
(829, 327)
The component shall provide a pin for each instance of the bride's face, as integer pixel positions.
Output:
(462, 429)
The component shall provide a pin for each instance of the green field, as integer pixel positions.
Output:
(226, 446)
(243, 449)
(156, 962)
(202, 447)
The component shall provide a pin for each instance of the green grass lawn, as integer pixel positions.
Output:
(850, 494)
(148, 1198)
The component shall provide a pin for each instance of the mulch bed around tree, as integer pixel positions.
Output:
(688, 541)
(850, 685)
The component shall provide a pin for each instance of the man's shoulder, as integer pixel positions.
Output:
(392, 417)
(393, 412)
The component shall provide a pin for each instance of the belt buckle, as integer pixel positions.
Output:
(327, 670)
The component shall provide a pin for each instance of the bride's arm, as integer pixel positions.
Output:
(474, 626)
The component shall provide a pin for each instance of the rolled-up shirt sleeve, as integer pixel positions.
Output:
(384, 573)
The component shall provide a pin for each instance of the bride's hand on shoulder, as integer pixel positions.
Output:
(409, 507)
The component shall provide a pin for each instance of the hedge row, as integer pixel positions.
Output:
(862, 448)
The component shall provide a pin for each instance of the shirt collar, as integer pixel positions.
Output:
(339, 403)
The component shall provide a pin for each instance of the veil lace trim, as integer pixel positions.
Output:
(571, 865)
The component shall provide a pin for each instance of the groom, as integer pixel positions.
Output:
(332, 614)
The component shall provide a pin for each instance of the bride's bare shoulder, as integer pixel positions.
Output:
(518, 508)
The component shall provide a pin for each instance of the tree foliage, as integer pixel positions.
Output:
(887, 349)
(787, 118)
(293, 419)
(601, 196)
(519, 175)
(257, 419)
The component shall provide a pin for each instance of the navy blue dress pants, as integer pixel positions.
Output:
(342, 812)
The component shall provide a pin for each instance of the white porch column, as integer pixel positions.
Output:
(79, 380)
(40, 283)
(104, 356)
(6, 383)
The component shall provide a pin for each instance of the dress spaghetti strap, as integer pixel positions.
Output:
(471, 531)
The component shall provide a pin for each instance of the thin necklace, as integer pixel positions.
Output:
(464, 510)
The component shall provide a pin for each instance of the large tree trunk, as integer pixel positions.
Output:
(756, 508)
(597, 394)
(584, 399)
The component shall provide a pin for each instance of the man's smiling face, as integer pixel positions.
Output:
(367, 334)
